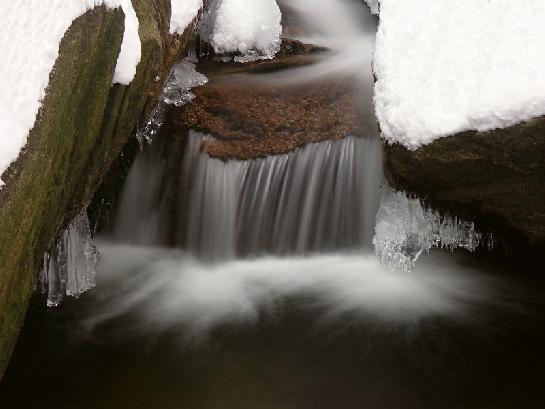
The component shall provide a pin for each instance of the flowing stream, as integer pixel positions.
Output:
(256, 284)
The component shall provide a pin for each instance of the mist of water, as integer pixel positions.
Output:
(170, 289)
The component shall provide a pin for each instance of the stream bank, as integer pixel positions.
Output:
(82, 127)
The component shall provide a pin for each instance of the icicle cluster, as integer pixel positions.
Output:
(405, 229)
(177, 91)
(70, 265)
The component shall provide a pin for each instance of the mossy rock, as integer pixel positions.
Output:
(81, 129)
(495, 178)
(41, 183)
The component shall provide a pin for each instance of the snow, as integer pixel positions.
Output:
(29, 42)
(251, 27)
(444, 67)
(183, 13)
(131, 49)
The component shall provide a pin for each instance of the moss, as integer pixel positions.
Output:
(81, 130)
(41, 183)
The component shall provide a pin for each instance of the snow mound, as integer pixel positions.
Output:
(444, 67)
(251, 27)
(29, 42)
(131, 51)
(183, 13)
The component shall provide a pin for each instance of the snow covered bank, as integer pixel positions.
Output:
(131, 52)
(183, 13)
(251, 27)
(445, 67)
(29, 43)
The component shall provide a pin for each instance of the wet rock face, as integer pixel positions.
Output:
(82, 127)
(495, 178)
(253, 116)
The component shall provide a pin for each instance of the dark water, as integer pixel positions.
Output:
(295, 353)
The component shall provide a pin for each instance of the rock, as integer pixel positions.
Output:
(495, 178)
(250, 117)
(82, 127)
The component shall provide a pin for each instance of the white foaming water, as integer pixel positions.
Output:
(170, 289)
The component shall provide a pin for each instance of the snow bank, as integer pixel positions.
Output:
(448, 66)
(251, 27)
(131, 49)
(29, 43)
(183, 13)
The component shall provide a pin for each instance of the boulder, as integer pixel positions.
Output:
(252, 114)
(81, 128)
(494, 178)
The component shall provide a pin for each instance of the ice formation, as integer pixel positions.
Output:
(443, 67)
(70, 266)
(405, 229)
(251, 27)
(183, 13)
(29, 42)
(177, 91)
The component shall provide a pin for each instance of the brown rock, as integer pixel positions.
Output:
(252, 118)
(495, 178)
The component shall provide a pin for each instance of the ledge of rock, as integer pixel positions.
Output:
(495, 178)
(252, 116)
(82, 127)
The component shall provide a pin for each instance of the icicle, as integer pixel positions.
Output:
(405, 229)
(70, 266)
(177, 91)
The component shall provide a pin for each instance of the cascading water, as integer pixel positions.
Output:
(318, 198)
(322, 197)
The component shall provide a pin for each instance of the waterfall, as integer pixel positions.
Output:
(322, 197)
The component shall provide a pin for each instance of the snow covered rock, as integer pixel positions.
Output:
(29, 42)
(445, 67)
(251, 27)
(460, 98)
(494, 178)
(82, 125)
